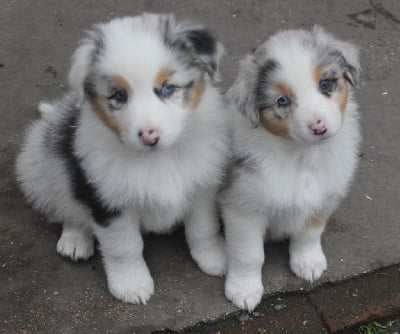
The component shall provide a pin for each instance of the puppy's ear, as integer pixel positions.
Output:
(347, 54)
(243, 91)
(82, 61)
(199, 44)
(351, 62)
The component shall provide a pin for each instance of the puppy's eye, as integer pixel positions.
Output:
(167, 89)
(120, 96)
(284, 101)
(326, 85)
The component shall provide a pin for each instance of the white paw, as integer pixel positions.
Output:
(131, 284)
(210, 256)
(244, 292)
(308, 264)
(75, 244)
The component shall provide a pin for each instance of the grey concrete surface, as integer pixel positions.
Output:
(43, 293)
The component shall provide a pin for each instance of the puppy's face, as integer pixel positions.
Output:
(300, 85)
(145, 76)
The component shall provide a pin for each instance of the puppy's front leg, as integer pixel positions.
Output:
(307, 260)
(245, 244)
(122, 245)
(202, 230)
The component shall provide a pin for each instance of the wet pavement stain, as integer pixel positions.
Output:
(367, 17)
(384, 12)
(50, 69)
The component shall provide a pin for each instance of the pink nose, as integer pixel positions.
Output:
(149, 137)
(318, 128)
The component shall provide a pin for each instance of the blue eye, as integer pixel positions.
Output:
(167, 89)
(326, 86)
(284, 101)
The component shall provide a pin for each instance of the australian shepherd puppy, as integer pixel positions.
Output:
(295, 147)
(138, 144)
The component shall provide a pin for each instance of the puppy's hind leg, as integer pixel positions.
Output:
(202, 230)
(76, 242)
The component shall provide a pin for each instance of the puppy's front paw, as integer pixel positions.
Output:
(132, 284)
(75, 244)
(244, 292)
(308, 263)
(210, 256)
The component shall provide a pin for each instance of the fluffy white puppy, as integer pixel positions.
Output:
(295, 146)
(138, 144)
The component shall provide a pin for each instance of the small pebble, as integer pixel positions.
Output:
(243, 317)
(279, 307)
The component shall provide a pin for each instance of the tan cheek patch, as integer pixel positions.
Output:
(340, 96)
(276, 126)
(100, 108)
(98, 104)
(268, 119)
(195, 94)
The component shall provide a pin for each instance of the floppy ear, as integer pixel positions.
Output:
(347, 52)
(82, 60)
(351, 62)
(243, 91)
(200, 45)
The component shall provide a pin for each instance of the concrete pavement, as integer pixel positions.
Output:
(349, 307)
(43, 293)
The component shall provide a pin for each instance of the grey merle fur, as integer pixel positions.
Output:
(60, 141)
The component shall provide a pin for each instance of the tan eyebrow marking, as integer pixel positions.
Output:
(284, 89)
(120, 82)
(161, 77)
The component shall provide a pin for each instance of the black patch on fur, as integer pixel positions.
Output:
(263, 80)
(89, 88)
(197, 47)
(202, 41)
(61, 142)
(247, 162)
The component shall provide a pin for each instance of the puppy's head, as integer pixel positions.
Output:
(296, 85)
(143, 76)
